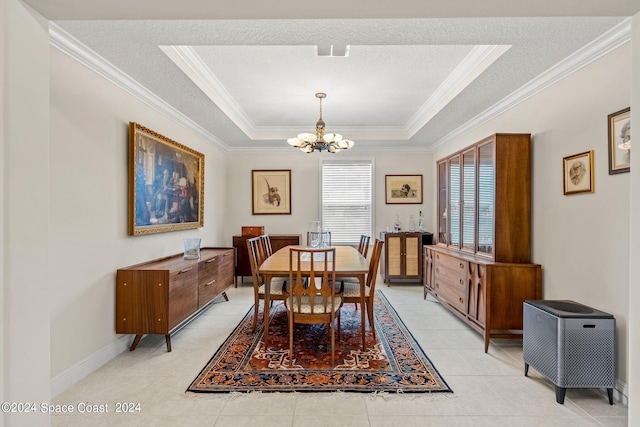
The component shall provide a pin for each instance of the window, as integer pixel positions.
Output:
(346, 199)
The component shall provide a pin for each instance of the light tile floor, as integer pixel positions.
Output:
(489, 389)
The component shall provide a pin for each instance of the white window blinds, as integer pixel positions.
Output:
(346, 199)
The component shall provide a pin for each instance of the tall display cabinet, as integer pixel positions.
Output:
(481, 266)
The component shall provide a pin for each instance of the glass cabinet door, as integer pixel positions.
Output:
(454, 202)
(486, 198)
(468, 210)
(442, 203)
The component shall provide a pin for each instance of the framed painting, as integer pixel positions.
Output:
(619, 126)
(578, 173)
(403, 189)
(271, 192)
(166, 183)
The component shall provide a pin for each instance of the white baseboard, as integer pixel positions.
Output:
(77, 372)
(621, 393)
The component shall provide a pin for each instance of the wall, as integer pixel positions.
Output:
(25, 206)
(580, 240)
(88, 210)
(305, 173)
(634, 235)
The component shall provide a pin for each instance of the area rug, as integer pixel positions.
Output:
(392, 362)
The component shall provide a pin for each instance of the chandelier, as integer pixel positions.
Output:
(319, 141)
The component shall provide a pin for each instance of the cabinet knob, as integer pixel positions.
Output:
(437, 270)
(461, 282)
(159, 284)
(437, 285)
(461, 300)
(437, 256)
(461, 265)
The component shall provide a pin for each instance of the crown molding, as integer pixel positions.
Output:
(69, 45)
(609, 41)
(614, 38)
(474, 64)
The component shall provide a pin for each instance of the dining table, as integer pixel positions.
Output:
(349, 262)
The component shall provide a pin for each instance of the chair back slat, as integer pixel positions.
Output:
(255, 259)
(311, 275)
(374, 264)
(363, 246)
(266, 244)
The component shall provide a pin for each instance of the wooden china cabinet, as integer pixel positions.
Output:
(480, 267)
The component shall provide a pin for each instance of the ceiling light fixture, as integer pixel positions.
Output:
(331, 142)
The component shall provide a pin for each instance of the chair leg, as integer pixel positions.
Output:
(291, 339)
(369, 308)
(333, 342)
(255, 314)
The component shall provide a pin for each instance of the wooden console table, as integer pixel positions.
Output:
(161, 295)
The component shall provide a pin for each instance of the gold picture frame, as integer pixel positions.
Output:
(578, 173)
(619, 129)
(271, 192)
(403, 189)
(166, 183)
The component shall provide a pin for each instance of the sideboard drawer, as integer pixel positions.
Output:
(207, 280)
(183, 294)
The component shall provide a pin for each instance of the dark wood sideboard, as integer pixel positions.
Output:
(243, 268)
(162, 295)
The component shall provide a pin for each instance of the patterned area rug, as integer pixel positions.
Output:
(393, 362)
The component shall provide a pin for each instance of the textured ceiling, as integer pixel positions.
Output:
(407, 84)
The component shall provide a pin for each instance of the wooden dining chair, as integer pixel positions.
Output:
(363, 246)
(351, 286)
(257, 255)
(311, 297)
(267, 251)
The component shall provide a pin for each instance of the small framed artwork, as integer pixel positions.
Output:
(271, 191)
(578, 173)
(166, 183)
(619, 126)
(403, 189)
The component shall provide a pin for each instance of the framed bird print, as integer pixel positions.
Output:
(271, 192)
